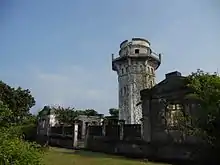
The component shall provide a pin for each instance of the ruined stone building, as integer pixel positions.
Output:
(135, 66)
(161, 104)
(48, 120)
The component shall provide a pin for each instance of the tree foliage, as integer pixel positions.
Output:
(18, 100)
(6, 116)
(90, 112)
(13, 149)
(45, 111)
(15, 121)
(205, 93)
(67, 116)
(16, 104)
(114, 112)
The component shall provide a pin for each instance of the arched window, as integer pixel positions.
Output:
(141, 67)
(152, 70)
(127, 69)
(122, 70)
(151, 83)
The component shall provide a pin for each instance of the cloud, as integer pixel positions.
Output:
(74, 86)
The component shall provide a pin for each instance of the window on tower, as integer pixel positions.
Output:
(141, 66)
(152, 70)
(152, 84)
(126, 69)
(136, 51)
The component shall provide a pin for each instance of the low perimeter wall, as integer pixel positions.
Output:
(140, 149)
(56, 140)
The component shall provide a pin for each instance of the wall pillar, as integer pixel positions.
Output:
(83, 129)
(75, 138)
(86, 137)
(38, 126)
(48, 132)
(121, 123)
(63, 133)
(146, 121)
(142, 127)
(103, 128)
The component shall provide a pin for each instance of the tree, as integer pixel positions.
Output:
(19, 100)
(205, 89)
(6, 116)
(66, 115)
(114, 112)
(90, 112)
(45, 111)
(13, 149)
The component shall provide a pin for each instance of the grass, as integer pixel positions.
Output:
(57, 156)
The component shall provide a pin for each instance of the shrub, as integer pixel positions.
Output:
(15, 151)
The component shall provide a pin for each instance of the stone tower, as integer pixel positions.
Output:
(135, 67)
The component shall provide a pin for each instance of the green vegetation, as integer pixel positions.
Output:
(15, 151)
(206, 91)
(67, 116)
(205, 124)
(114, 112)
(69, 157)
(16, 121)
(18, 100)
(18, 125)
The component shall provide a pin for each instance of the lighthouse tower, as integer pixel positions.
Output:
(135, 66)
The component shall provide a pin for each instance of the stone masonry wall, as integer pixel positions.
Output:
(137, 76)
(136, 71)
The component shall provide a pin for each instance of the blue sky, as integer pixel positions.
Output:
(61, 50)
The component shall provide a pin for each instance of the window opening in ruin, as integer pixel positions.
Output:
(152, 70)
(136, 51)
(173, 113)
(94, 123)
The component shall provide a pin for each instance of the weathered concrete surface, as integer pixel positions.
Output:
(135, 67)
(158, 127)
